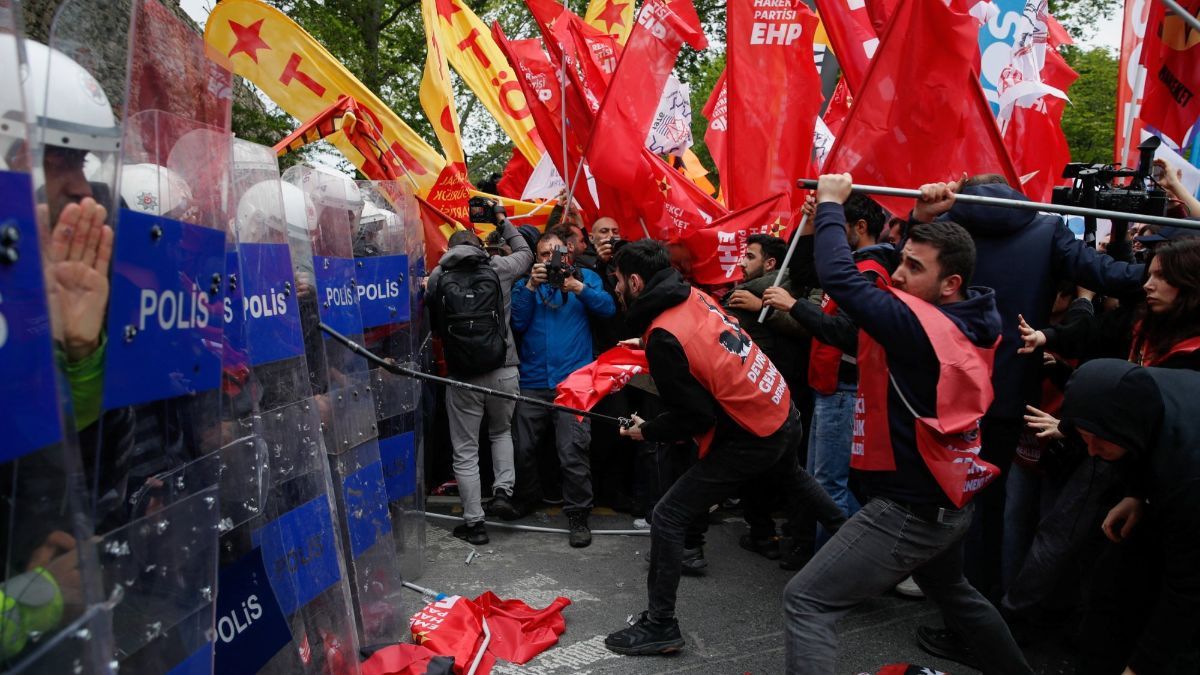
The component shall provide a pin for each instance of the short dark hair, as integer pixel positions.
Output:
(644, 257)
(861, 207)
(772, 247)
(562, 232)
(985, 179)
(464, 237)
(956, 249)
(555, 233)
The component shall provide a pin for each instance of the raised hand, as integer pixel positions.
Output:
(76, 263)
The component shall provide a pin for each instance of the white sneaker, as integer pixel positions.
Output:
(640, 524)
(909, 589)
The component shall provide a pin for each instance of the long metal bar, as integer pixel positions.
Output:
(808, 184)
(1182, 13)
(416, 374)
(787, 259)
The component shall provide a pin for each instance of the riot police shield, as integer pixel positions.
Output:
(387, 245)
(50, 588)
(155, 459)
(342, 385)
(284, 603)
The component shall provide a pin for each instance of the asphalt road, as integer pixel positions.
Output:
(731, 618)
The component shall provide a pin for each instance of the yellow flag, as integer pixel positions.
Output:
(695, 171)
(469, 47)
(614, 17)
(437, 96)
(298, 74)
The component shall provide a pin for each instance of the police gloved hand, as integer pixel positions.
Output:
(77, 276)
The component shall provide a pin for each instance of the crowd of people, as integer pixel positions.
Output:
(965, 402)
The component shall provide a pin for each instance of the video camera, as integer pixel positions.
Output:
(484, 210)
(1094, 186)
(559, 270)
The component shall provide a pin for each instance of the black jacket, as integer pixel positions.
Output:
(606, 333)
(1022, 255)
(910, 356)
(1152, 413)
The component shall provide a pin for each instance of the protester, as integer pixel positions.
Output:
(551, 313)
(467, 284)
(1167, 332)
(910, 525)
(1142, 616)
(718, 387)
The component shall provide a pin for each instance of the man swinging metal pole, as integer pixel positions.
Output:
(409, 372)
(806, 184)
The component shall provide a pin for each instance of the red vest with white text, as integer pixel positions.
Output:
(949, 442)
(748, 387)
(824, 360)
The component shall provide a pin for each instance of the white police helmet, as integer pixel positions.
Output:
(155, 190)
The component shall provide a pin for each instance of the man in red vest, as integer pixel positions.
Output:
(719, 388)
(924, 356)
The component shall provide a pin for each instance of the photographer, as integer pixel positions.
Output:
(550, 313)
(466, 284)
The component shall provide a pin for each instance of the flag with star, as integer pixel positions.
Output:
(714, 251)
(614, 17)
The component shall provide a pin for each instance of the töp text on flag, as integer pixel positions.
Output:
(714, 251)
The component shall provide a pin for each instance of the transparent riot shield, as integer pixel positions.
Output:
(387, 244)
(50, 587)
(284, 603)
(342, 385)
(154, 461)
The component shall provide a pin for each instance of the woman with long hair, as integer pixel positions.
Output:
(1167, 330)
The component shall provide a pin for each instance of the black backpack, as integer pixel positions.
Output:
(469, 311)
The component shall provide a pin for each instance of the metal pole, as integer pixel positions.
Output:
(1182, 13)
(787, 259)
(807, 184)
(535, 528)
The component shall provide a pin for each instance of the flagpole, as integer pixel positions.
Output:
(787, 259)
(645, 230)
(1182, 13)
(807, 184)
(562, 102)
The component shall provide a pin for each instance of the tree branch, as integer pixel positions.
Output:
(396, 13)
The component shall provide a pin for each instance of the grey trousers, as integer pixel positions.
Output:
(572, 439)
(876, 549)
(465, 410)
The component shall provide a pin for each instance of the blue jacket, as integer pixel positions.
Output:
(1022, 255)
(910, 357)
(553, 334)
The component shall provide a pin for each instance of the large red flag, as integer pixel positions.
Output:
(1034, 135)
(852, 36)
(453, 626)
(1131, 79)
(716, 112)
(921, 115)
(1172, 60)
(774, 96)
(608, 374)
(635, 89)
(677, 203)
(716, 250)
(520, 632)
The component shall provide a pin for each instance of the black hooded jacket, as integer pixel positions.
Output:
(1152, 413)
(1021, 255)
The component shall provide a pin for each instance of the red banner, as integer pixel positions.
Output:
(608, 374)
(714, 252)
(1172, 60)
(852, 36)
(889, 135)
(774, 95)
(716, 112)
(1034, 135)
(1131, 79)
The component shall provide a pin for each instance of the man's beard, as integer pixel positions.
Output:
(626, 299)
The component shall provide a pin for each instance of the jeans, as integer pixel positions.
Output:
(985, 541)
(829, 442)
(571, 437)
(465, 410)
(881, 545)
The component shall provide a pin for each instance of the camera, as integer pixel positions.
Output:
(1093, 186)
(558, 270)
(484, 210)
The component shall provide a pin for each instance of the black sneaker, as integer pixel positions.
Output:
(473, 533)
(795, 558)
(646, 637)
(947, 644)
(502, 507)
(767, 547)
(581, 536)
(693, 563)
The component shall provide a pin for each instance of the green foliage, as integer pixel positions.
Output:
(1090, 121)
(1080, 17)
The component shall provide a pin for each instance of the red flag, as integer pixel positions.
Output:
(774, 95)
(852, 36)
(716, 250)
(635, 89)
(880, 12)
(407, 659)
(515, 175)
(678, 204)
(921, 115)
(715, 111)
(520, 632)
(1131, 80)
(437, 227)
(608, 374)
(839, 108)
(1034, 135)
(1172, 63)
(452, 626)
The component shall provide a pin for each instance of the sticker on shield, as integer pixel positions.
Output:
(28, 394)
(382, 290)
(165, 322)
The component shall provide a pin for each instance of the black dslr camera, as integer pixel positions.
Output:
(558, 270)
(484, 210)
(1094, 186)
